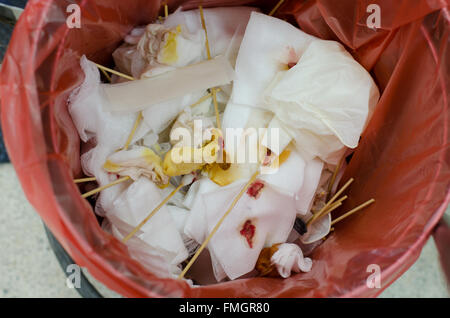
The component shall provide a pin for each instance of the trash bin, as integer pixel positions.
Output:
(402, 159)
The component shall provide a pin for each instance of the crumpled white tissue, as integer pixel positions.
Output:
(160, 232)
(263, 53)
(92, 163)
(196, 226)
(269, 208)
(289, 177)
(136, 162)
(225, 27)
(318, 92)
(289, 258)
(305, 196)
(89, 111)
(153, 259)
(327, 92)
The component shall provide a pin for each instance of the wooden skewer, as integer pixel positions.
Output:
(208, 53)
(276, 7)
(332, 207)
(252, 179)
(84, 180)
(137, 228)
(115, 72)
(106, 75)
(202, 17)
(201, 100)
(87, 194)
(359, 207)
(166, 10)
(133, 131)
(315, 216)
(216, 108)
(333, 177)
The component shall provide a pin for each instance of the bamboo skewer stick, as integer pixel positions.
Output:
(276, 7)
(208, 53)
(81, 180)
(332, 207)
(115, 72)
(333, 177)
(166, 11)
(133, 131)
(359, 207)
(216, 227)
(201, 100)
(318, 216)
(137, 228)
(87, 194)
(202, 17)
(315, 216)
(216, 108)
(106, 75)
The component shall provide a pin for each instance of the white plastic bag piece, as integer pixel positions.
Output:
(289, 258)
(137, 95)
(160, 232)
(270, 207)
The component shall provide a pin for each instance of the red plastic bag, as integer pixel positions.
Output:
(402, 160)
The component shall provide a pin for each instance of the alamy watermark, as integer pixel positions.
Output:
(73, 21)
(73, 280)
(374, 279)
(374, 19)
(231, 146)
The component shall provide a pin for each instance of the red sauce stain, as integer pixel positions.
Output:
(114, 174)
(291, 64)
(268, 158)
(255, 188)
(248, 231)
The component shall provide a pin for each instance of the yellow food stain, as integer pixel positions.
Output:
(154, 160)
(111, 166)
(284, 156)
(184, 160)
(169, 51)
(224, 177)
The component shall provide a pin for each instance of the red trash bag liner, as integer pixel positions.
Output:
(402, 160)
